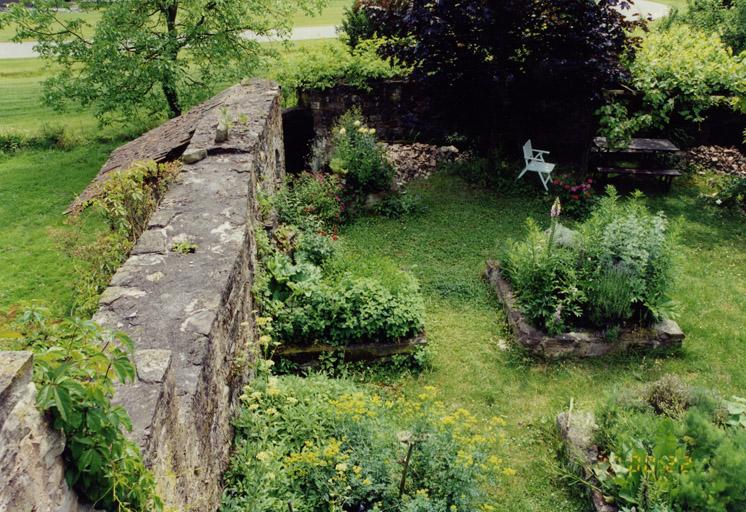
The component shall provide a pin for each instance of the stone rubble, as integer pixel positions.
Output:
(418, 160)
(719, 159)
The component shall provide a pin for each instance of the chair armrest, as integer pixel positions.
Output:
(540, 151)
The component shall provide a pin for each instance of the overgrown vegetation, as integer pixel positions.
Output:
(680, 73)
(616, 269)
(724, 17)
(310, 296)
(125, 201)
(332, 63)
(76, 366)
(362, 450)
(673, 448)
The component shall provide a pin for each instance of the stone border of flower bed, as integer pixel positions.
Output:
(581, 343)
(308, 357)
(576, 430)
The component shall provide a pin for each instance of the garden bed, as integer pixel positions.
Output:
(582, 342)
(310, 356)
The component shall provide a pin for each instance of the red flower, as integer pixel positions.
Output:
(589, 180)
(575, 197)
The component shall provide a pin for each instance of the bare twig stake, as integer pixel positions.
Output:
(406, 468)
(290, 506)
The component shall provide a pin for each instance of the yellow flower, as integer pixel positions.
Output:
(509, 472)
(264, 456)
(253, 407)
(357, 124)
(342, 131)
(341, 467)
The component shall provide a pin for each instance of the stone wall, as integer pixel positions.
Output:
(189, 314)
(32, 472)
(401, 110)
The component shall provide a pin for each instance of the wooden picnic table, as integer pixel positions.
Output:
(637, 146)
(639, 149)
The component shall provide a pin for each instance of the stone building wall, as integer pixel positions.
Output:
(189, 315)
(32, 472)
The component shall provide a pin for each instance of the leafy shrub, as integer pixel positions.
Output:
(356, 25)
(397, 205)
(360, 451)
(128, 198)
(347, 311)
(48, 137)
(732, 194)
(724, 17)
(311, 200)
(672, 451)
(76, 366)
(625, 238)
(330, 64)
(618, 270)
(682, 72)
(126, 201)
(577, 199)
(545, 279)
(358, 157)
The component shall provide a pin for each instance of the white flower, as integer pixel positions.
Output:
(719, 202)
(356, 123)
(342, 131)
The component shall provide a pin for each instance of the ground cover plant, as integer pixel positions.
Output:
(364, 449)
(673, 447)
(617, 269)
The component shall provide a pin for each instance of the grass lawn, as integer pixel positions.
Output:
(35, 187)
(475, 365)
(330, 15)
(21, 104)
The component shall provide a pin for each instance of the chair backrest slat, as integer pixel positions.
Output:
(528, 150)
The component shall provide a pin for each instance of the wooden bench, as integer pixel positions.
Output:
(665, 176)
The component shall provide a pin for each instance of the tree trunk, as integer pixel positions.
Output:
(171, 54)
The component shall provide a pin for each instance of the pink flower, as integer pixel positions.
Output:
(556, 209)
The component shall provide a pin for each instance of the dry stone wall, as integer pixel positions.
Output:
(189, 314)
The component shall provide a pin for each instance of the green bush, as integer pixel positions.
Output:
(545, 279)
(678, 72)
(617, 270)
(76, 367)
(311, 201)
(731, 194)
(724, 17)
(356, 25)
(359, 158)
(321, 444)
(346, 311)
(689, 454)
(330, 64)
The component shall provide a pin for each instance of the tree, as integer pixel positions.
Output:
(148, 55)
(485, 54)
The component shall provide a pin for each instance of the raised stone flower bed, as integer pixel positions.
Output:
(308, 357)
(664, 335)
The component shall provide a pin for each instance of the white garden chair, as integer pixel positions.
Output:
(535, 163)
